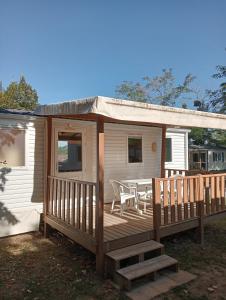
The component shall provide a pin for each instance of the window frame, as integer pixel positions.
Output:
(54, 168)
(215, 156)
(70, 171)
(26, 147)
(171, 143)
(142, 149)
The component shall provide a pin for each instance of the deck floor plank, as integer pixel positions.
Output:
(130, 223)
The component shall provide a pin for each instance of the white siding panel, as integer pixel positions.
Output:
(89, 143)
(22, 188)
(116, 164)
(179, 150)
(116, 160)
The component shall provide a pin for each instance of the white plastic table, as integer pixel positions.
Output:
(138, 182)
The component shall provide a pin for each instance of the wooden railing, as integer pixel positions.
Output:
(182, 198)
(190, 172)
(171, 172)
(73, 202)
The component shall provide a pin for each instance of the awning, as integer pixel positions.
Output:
(133, 111)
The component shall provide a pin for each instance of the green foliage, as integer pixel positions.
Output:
(132, 91)
(161, 89)
(218, 137)
(199, 136)
(202, 101)
(19, 95)
(211, 101)
(202, 136)
(218, 97)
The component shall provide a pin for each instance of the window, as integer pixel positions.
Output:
(219, 156)
(215, 157)
(69, 152)
(195, 157)
(222, 156)
(135, 149)
(12, 147)
(168, 149)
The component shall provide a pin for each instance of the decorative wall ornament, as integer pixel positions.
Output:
(154, 147)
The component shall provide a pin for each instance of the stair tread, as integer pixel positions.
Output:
(134, 250)
(162, 285)
(147, 267)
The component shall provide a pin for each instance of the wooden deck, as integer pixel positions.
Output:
(124, 230)
(180, 204)
(118, 230)
(130, 223)
(129, 229)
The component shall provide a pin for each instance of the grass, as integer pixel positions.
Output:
(32, 267)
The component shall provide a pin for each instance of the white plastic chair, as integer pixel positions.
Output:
(123, 194)
(145, 198)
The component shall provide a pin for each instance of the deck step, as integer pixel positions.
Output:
(126, 276)
(134, 250)
(164, 284)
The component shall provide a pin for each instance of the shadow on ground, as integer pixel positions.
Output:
(32, 267)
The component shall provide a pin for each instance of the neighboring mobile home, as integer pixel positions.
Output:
(207, 158)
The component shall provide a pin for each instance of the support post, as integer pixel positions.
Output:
(100, 198)
(156, 209)
(163, 152)
(201, 210)
(48, 158)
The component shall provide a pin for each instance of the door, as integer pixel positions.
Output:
(199, 161)
(203, 160)
(69, 158)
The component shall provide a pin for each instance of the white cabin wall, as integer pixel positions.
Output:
(116, 161)
(21, 197)
(88, 151)
(179, 149)
(116, 156)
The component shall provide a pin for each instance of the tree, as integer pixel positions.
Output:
(218, 97)
(214, 101)
(19, 95)
(161, 89)
(199, 136)
(202, 100)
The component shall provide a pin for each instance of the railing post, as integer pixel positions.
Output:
(201, 209)
(100, 198)
(163, 152)
(156, 208)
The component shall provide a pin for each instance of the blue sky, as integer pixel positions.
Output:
(73, 49)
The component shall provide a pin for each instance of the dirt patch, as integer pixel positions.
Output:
(208, 263)
(32, 267)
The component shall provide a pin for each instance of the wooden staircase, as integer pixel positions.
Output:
(144, 271)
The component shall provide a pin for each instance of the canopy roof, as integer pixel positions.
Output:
(132, 111)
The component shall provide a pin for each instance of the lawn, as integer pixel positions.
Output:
(32, 267)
